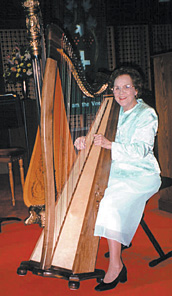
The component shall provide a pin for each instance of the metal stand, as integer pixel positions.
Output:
(25, 128)
(162, 255)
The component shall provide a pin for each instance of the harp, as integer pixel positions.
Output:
(73, 182)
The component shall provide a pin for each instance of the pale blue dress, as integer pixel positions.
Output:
(134, 175)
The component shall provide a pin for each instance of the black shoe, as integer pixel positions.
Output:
(122, 278)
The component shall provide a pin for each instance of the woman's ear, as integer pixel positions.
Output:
(136, 93)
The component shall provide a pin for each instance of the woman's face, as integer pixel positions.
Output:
(125, 92)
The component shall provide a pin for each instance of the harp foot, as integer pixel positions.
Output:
(73, 285)
(21, 271)
(74, 279)
(36, 215)
(59, 273)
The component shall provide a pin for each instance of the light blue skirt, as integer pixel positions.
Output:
(122, 207)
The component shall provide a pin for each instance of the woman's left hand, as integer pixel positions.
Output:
(80, 143)
(100, 140)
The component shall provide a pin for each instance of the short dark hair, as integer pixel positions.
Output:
(135, 75)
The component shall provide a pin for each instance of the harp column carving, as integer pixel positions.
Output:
(36, 41)
(34, 182)
(32, 11)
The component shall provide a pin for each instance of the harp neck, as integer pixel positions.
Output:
(60, 48)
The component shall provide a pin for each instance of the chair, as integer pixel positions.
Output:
(166, 182)
(10, 155)
(11, 117)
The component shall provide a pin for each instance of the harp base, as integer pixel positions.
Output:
(73, 279)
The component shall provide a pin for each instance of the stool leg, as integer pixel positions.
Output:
(11, 181)
(162, 255)
(21, 171)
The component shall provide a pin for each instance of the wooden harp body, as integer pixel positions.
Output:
(73, 182)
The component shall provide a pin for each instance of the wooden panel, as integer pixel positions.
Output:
(163, 94)
(132, 45)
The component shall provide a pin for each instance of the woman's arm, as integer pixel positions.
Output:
(141, 141)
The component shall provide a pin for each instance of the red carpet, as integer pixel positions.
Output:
(17, 242)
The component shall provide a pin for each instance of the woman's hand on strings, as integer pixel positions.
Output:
(80, 143)
(100, 140)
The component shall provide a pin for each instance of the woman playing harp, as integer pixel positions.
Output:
(134, 175)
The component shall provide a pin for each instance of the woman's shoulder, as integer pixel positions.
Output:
(145, 108)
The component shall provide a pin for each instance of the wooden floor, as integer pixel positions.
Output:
(6, 207)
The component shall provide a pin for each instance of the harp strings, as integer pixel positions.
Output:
(79, 121)
(69, 157)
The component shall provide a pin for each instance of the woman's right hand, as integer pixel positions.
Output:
(80, 143)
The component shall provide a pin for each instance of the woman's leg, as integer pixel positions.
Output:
(115, 261)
